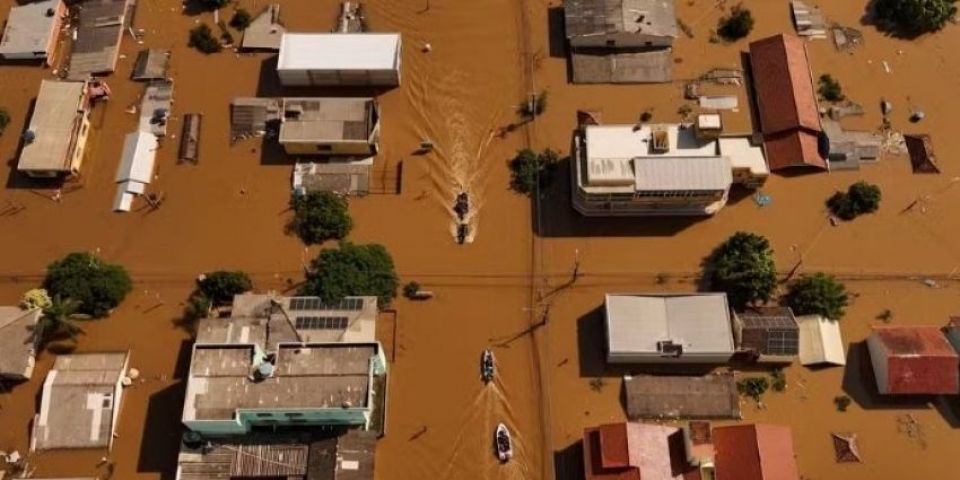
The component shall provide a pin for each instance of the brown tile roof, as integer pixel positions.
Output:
(786, 102)
(635, 451)
(754, 452)
(920, 361)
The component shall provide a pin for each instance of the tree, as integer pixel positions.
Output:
(411, 289)
(320, 216)
(911, 18)
(743, 268)
(352, 270)
(97, 285)
(220, 286)
(212, 4)
(528, 170)
(818, 294)
(860, 198)
(241, 19)
(4, 119)
(201, 38)
(830, 88)
(753, 387)
(58, 323)
(738, 24)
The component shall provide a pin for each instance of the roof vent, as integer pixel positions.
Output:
(668, 348)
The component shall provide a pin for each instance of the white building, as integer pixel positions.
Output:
(57, 135)
(668, 328)
(661, 169)
(339, 59)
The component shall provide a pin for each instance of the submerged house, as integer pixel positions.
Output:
(754, 452)
(620, 41)
(339, 59)
(767, 334)
(661, 169)
(17, 343)
(56, 137)
(913, 360)
(100, 30)
(660, 397)
(789, 118)
(32, 31)
(286, 362)
(668, 328)
(636, 451)
(80, 402)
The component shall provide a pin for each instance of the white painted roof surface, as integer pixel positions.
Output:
(820, 341)
(699, 322)
(339, 51)
(743, 154)
(139, 156)
(123, 200)
(704, 173)
(630, 141)
(29, 28)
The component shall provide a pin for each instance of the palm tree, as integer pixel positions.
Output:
(58, 323)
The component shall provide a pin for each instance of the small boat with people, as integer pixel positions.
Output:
(503, 443)
(487, 367)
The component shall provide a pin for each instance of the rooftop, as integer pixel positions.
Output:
(633, 451)
(339, 51)
(79, 402)
(57, 118)
(328, 119)
(29, 27)
(768, 331)
(151, 64)
(294, 319)
(820, 341)
(602, 17)
(265, 31)
(698, 322)
(17, 341)
(99, 32)
(351, 178)
(648, 66)
(755, 452)
(666, 397)
(915, 360)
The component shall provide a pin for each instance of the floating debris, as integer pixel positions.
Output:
(762, 199)
(922, 158)
(724, 76)
(845, 38)
(808, 20)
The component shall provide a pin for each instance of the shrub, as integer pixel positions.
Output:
(530, 170)
(913, 17)
(533, 107)
(886, 315)
(738, 24)
(97, 285)
(212, 4)
(818, 294)
(241, 19)
(841, 402)
(411, 289)
(830, 88)
(220, 286)
(352, 270)
(753, 387)
(778, 380)
(743, 268)
(203, 40)
(4, 119)
(36, 298)
(860, 198)
(320, 216)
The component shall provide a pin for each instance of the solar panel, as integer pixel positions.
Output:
(782, 342)
(315, 303)
(321, 323)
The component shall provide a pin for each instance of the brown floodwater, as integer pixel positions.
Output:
(229, 211)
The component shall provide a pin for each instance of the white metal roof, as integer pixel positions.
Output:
(700, 322)
(29, 28)
(339, 51)
(139, 155)
(820, 341)
(56, 116)
(694, 173)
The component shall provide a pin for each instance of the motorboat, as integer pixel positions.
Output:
(462, 205)
(503, 443)
(487, 369)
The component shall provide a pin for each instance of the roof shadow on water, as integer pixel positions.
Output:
(162, 430)
(568, 463)
(557, 218)
(859, 383)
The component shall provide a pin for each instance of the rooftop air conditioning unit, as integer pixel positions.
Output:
(668, 348)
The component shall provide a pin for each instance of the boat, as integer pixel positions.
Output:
(486, 366)
(462, 206)
(503, 443)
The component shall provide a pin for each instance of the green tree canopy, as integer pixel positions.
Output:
(352, 270)
(97, 285)
(743, 268)
(241, 19)
(913, 17)
(220, 286)
(860, 198)
(818, 294)
(529, 169)
(201, 38)
(738, 24)
(58, 323)
(320, 216)
(4, 119)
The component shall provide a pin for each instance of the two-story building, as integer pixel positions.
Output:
(56, 138)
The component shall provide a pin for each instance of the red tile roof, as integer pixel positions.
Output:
(786, 103)
(919, 361)
(635, 451)
(754, 452)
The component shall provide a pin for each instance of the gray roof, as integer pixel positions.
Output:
(17, 342)
(654, 66)
(265, 31)
(99, 32)
(686, 173)
(602, 17)
(328, 119)
(78, 406)
(29, 28)
(657, 397)
(151, 65)
(56, 122)
(360, 314)
(347, 178)
(348, 457)
(700, 322)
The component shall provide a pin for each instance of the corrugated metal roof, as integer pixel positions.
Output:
(138, 158)
(700, 322)
(339, 51)
(669, 174)
(99, 33)
(820, 341)
(57, 115)
(29, 27)
(600, 17)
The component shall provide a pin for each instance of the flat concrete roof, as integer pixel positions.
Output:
(700, 322)
(265, 31)
(339, 51)
(661, 397)
(79, 401)
(57, 118)
(29, 28)
(743, 153)
(327, 119)
(17, 341)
